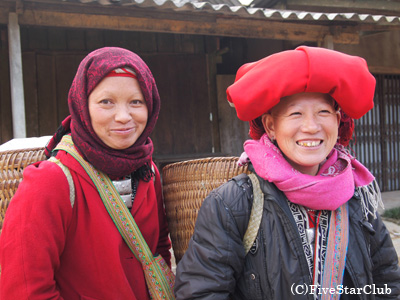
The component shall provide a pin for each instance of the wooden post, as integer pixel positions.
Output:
(16, 79)
(328, 42)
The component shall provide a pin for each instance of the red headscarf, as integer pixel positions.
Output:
(93, 68)
(260, 85)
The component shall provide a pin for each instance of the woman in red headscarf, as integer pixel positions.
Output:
(58, 240)
(318, 234)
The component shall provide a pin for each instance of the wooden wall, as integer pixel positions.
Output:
(5, 103)
(192, 73)
(181, 64)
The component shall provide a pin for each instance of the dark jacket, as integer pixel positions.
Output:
(215, 266)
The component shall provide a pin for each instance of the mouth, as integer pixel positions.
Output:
(309, 144)
(123, 130)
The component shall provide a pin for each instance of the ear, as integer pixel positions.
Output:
(268, 123)
(339, 117)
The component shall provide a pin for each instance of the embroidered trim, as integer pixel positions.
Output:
(300, 217)
(159, 278)
(69, 179)
(255, 215)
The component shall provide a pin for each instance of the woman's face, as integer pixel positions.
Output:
(118, 111)
(305, 127)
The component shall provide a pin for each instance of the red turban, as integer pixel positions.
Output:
(260, 85)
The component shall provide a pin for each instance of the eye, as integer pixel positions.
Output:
(105, 101)
(137, 102)
(295, 113)
(325, 112)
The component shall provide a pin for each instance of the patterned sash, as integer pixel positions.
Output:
(326, 261)
(159, 278)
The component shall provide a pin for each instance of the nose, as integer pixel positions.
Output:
(311, 123)
(122, 114)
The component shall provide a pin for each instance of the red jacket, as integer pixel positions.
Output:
(51, 250)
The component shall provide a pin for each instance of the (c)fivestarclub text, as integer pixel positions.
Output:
(305, 289)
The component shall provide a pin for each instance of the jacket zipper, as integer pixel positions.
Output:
(288, 215)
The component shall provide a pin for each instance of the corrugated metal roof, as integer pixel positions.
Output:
(233, 8)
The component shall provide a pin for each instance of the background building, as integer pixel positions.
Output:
(194, 49)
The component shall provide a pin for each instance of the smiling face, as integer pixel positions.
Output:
(118, 111)
(305, 127)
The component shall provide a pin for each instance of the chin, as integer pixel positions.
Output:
(120, 146)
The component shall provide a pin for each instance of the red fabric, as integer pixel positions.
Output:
(124, 73)
(346, 129)
(52, 251)
(260, 85)
(93, 68)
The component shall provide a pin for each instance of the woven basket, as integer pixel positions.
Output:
(185, 185)
(12, 164)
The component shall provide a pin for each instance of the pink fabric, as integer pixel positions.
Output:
(330, 188)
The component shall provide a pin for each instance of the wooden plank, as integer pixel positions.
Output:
(165, 42)
(30, 88)
(193, 105)
(6, 133)
(24, 38)
(257, 49)
(65, 68)
(132, 41)
(213, 101)
(147, 42)
(4, 10)
(232, 52)
(47, 97)
(124, 39)
(178, 43)
(233, 132)
(162, 135)
(76, 39)
(37, 38)
(112, 38)
(187, 43)
(199, 44)
(237, 27)
(94, 39)
(184, 126)
(384, 70)
(211, 44)
(57, 39)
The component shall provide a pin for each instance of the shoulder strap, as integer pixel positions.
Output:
(155, 277)
(69, 178)
(255, 215)
(111, 199)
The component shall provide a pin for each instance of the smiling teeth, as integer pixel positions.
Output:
(308, 144)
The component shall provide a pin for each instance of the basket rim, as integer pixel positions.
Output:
(199, 160)
(21, 150)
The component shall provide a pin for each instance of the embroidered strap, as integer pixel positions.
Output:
(255, 215)
(159, 286)
(336, 251)
(69, 178)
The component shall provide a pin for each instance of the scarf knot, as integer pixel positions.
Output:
(335, 183)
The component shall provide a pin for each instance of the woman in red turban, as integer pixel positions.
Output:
(319, 235)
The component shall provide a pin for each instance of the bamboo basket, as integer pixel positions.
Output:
(12, 164)
(185, 185)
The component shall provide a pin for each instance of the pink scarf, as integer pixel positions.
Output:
(333, 185)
